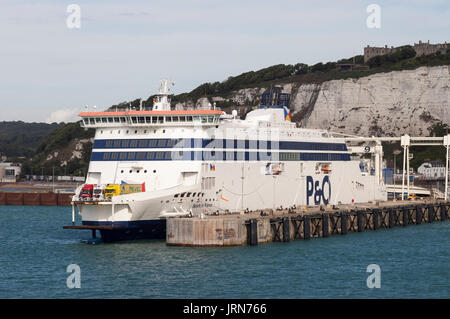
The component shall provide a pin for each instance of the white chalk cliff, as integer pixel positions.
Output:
(392, 103)
(385, 103)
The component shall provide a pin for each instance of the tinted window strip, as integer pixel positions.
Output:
(208, 143)
(217, 156)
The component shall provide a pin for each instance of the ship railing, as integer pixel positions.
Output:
(156, 121)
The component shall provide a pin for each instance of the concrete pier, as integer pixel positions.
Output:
(253, 228)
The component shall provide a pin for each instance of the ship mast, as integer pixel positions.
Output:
(162, 101)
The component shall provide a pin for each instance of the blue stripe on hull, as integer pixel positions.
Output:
(132, 230)
(217, 143)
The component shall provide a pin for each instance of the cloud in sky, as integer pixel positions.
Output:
(63, 115)
(123, 49)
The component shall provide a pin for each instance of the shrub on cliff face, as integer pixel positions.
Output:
(426, 117)
(55, 142)
(323, 67)
(301, 68)
(439, 129)
(87, 150)
(357, 59)
(62, 136)
(403, 53)
(18, 138)
(243, 80)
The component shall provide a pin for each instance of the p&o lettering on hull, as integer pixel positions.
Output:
(320, 193)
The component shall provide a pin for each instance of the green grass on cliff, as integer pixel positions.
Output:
(19, 139)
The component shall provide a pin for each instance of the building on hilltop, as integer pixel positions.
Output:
(420, 48)
(370, 52)
(427, 48)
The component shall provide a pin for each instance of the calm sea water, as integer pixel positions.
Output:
(35, 252)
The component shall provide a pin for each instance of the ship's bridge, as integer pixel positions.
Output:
(150, 118)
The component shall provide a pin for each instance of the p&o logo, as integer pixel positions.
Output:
(319, 192)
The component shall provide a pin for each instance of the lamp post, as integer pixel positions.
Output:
(396, 152)
(273, 195)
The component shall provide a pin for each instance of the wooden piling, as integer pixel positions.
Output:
(430, 213)
(325, 226)
(443, 212)
(307, 227)
(253, 232)
(418, 215)
(405, 216)
(391, 218)
(375, 216)
(286, 230)
(297, 223)
(360, 220)
(344, 217)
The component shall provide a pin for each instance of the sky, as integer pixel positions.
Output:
(122, 49)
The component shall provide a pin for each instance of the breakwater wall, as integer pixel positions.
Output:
(35, 198)
(291, 224)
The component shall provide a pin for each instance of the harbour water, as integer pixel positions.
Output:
(35, 252)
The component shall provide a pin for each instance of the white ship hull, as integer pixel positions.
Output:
(217, 164)
(255, 191)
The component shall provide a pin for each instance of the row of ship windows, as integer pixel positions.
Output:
(217, 156)
(133, 143)
(217, 143)
(151, 119)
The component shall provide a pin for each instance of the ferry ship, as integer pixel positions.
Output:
(204, 161)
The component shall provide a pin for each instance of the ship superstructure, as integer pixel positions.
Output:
(199, 161)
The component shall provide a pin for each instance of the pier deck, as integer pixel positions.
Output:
(252, 228)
